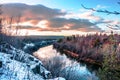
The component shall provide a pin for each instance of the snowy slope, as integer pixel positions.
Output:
(14, 70)
(15, 64)
(18, 65)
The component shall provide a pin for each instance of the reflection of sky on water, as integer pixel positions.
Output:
(77, 72)
(70, 69)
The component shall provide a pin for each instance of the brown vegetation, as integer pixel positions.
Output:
(90, 48)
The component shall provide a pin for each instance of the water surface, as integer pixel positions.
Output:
(61, 66)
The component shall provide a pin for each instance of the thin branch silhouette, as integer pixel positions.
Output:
(102, 11)
(113, 27)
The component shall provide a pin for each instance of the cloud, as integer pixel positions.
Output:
(58, 24)
(41, 18)
(72, 23)
(101, 7)
(89, 16)
(30, 12)
(103, 21)
(115, 22)
(106, 21)
(83, 15)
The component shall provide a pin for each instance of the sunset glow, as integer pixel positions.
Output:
(59, 39)
(41, 17)
(43, 24)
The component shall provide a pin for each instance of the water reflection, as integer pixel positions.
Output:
(61, 66)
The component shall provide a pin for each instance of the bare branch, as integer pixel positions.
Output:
(113, 27)
(0, 18)
(102, 11)
(118, 2)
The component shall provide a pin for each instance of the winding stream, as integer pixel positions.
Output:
(60, 65)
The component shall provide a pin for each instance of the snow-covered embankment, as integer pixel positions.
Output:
(18, 65)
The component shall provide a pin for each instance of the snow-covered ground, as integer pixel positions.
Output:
(14, 70)
(59, 78)
(18, 65)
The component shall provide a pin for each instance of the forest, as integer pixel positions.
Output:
(97, 49)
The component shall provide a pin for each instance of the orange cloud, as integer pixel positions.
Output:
(42, 18)
(34, 22)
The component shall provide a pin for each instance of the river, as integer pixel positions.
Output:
(61, 66)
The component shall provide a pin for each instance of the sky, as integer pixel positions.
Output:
(61, 17)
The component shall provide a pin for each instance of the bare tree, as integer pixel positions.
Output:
(0, 18)
(1, 23)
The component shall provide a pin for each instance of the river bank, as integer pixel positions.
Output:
(61, 65)
(76, 56)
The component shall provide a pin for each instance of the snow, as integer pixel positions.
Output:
(59, 78)
(14, 70)
(18, 65)
(28, 45)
